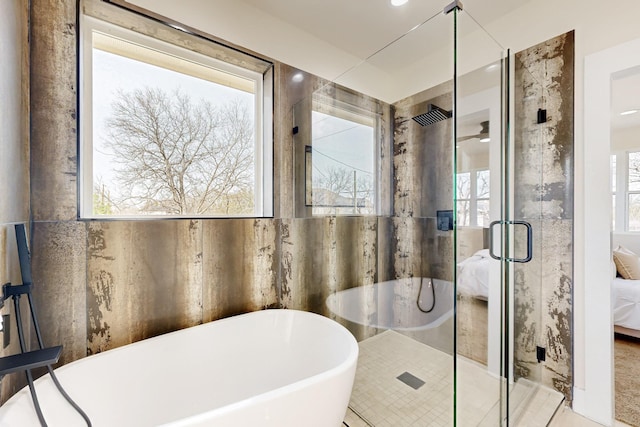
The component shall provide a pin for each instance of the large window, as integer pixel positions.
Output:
(625, 190)
(341, 168)
(472, 198)
(167, 131)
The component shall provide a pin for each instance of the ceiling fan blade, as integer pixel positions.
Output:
(465, 138)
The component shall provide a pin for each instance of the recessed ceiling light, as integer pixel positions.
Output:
(491, 67)
(297, 77)
(398, 2)
(628, 112)
(485, 139)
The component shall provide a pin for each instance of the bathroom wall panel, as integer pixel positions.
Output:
(557, 301)
(143, 280)
(543, 188)
(53, 110)
(324, 255)
(544, 80)
(356, 251)
(423, 167)
(288, 92)
(528, 304)
(423, 156)
(305, 257)
(385, 269)
(59, 261)
(240, 266)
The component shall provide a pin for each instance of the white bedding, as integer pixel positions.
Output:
(626, 303)
(473, 275)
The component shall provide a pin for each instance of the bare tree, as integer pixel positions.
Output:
(102, 203)
(463, 194)
(177, 156)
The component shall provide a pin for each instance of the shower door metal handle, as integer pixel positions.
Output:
(529, 241)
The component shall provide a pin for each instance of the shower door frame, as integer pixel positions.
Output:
(506, 225)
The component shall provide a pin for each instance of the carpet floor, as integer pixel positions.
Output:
(627, 377)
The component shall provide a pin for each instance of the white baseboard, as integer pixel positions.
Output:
(580, 406)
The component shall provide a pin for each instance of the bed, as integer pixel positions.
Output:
(625, 289)
(473, 275)
(625, 297)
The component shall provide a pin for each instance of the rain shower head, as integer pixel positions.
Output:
(434, 114)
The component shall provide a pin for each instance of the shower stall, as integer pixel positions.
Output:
(432, 242)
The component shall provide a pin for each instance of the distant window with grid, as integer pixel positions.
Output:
(472, 198)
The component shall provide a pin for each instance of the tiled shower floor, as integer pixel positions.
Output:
(380, 399)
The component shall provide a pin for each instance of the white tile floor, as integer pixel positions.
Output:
(380, 399)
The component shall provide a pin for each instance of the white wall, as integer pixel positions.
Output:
(600, 69)
(14, 192)
(625, 139)
(14, 158)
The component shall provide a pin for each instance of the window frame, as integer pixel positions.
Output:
(622, 193)
(342, 110)
(473, 198)
(263, 118)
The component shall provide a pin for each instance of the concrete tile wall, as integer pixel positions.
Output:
(142, 280)
(240, 266)
(422, 160)
(544, 196)
(53, 111)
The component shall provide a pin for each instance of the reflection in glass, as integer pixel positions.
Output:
(342, 165)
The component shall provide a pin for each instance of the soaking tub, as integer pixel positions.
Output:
(394, 305)
(266, 368)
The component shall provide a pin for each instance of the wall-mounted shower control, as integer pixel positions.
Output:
(541, 354)
(444, 220)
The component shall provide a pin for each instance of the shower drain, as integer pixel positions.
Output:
(411, 380)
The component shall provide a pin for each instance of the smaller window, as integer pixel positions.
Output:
(633, 192)
(463, 199)
(472, 198)
(613, 177)
(342, 163)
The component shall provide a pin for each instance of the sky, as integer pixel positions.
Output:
(340, 143)
(112, 73)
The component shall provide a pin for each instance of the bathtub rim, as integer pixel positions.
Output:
(349, 362)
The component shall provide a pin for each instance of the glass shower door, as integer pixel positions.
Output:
(483, 357)
(515, 189)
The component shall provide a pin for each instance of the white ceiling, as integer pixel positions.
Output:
(407, 47)
(332, 38)
(362, 27)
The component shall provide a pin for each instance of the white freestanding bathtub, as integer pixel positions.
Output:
(267, 368)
